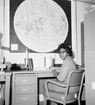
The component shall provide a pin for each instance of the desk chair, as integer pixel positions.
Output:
(73, 89)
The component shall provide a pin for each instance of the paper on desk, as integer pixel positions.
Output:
(38, 63)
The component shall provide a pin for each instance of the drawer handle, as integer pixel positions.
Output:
(25, 89)
(25, 80)
(25, 98)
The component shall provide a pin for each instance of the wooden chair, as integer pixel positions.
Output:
(73, 89)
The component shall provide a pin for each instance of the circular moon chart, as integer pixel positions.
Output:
(41, 25)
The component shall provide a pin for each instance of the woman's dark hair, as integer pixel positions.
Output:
(66, 47)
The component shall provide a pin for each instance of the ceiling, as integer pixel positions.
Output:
(90, 1)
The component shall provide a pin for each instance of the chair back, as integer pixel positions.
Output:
(75, 78)
(75, 82)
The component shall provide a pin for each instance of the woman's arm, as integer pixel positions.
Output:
(67, 66)
(64, 70)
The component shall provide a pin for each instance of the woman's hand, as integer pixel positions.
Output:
(55, 73)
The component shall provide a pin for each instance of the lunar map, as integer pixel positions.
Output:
(41, 25)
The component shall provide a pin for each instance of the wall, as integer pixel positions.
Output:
(80, 12)
(89, 24)
(1, 16)
(1, 27)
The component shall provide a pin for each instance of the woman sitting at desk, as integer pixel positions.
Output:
(61, 73)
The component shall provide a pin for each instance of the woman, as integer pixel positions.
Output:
(61, 73)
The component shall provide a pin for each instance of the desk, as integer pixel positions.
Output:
(25, 86)
(44, 73)
(5, 77)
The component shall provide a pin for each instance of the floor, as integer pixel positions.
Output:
(75, 103)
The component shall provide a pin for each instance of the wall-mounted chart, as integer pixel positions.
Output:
(41, 25)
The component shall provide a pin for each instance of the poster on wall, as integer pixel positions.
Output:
(39, 25)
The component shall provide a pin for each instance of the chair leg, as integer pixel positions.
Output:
(79, 103)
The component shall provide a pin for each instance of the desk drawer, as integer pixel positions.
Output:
(25, 89)
(29, 98)
(25, 80)
(26, 103)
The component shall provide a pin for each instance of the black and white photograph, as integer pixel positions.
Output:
(47, 52)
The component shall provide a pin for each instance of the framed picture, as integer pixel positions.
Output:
(40, 25)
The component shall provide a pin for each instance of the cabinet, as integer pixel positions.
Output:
(24, 88)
